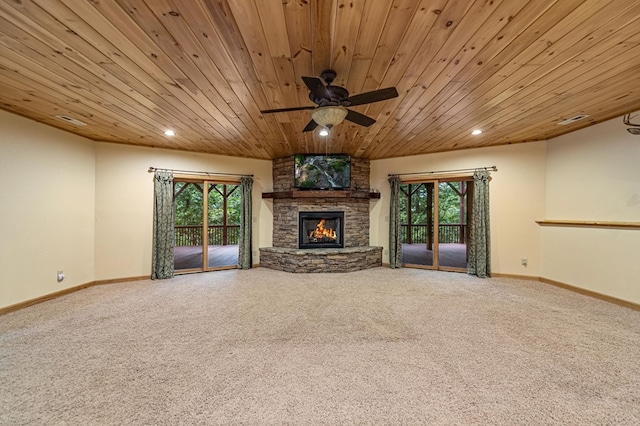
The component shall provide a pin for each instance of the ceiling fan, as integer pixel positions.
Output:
(332, 102)
(635, 129)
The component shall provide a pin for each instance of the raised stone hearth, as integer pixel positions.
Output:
(321, 260)
(355, 202)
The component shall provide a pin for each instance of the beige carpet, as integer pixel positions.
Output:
(373, 347)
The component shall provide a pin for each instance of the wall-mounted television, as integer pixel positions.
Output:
(322, 171)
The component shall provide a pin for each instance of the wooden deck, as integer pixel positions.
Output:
(190, 257)
(449, 255)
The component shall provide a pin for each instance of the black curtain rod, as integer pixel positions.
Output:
(192, 172)
(493, 168)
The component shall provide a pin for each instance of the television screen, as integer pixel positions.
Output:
(322, 172)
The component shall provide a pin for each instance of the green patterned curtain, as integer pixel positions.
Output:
(480, 243)
(395, 242)
(163, 222)
(244, 255)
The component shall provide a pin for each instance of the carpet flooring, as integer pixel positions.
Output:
(379, 346)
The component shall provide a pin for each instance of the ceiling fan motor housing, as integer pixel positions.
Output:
(336, 94)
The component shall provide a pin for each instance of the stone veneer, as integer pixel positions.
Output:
(285, 254)
(285, 219)
(321, 260)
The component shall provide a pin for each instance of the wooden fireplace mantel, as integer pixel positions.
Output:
(321, 194)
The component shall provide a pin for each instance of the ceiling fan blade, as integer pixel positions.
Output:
(269, 111)
(310, 126)
(317, 87)
(361, 119)
(370, 97)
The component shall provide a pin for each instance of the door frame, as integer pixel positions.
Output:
(205, 220)
(468, 178)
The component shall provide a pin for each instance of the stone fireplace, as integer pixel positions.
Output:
(298, 213)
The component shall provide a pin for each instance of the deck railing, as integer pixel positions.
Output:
(192, 235)
(447, 233)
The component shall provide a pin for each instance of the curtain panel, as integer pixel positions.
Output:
(244, 255)
(395, 242)
(163, 230)
(480, 243)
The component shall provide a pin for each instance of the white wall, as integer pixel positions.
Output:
(594, 175)
(86, 208)
(46, 209)
(516, 199)
(124, 203)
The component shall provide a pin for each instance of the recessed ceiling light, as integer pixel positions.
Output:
(71, 120)
(324, 132)
(169, 133)
(573, 119)
(476, 132)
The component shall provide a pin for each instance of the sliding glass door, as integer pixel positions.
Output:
(223, 230)
(206, 226)
(417, 216)
(434, 224)
(452, 225)
(189, 213)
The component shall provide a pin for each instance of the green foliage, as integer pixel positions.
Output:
(449, 203)
(189, 204)
(216, 204)
(306, 184)
(418, 203)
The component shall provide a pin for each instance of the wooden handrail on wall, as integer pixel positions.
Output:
(589, 224)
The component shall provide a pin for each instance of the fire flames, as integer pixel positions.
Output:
(322, 232)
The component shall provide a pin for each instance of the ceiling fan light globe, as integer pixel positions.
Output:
(329, 116)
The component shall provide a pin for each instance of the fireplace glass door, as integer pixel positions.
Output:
(321, 230)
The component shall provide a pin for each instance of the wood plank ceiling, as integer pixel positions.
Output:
(130, 69)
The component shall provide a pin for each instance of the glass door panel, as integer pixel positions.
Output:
(452, 224)
(223, 224)
(417, 214)
(188, 202)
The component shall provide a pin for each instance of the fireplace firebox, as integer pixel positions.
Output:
(321, 230)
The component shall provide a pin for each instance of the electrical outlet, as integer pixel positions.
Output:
(524, 261)
(60, 276)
